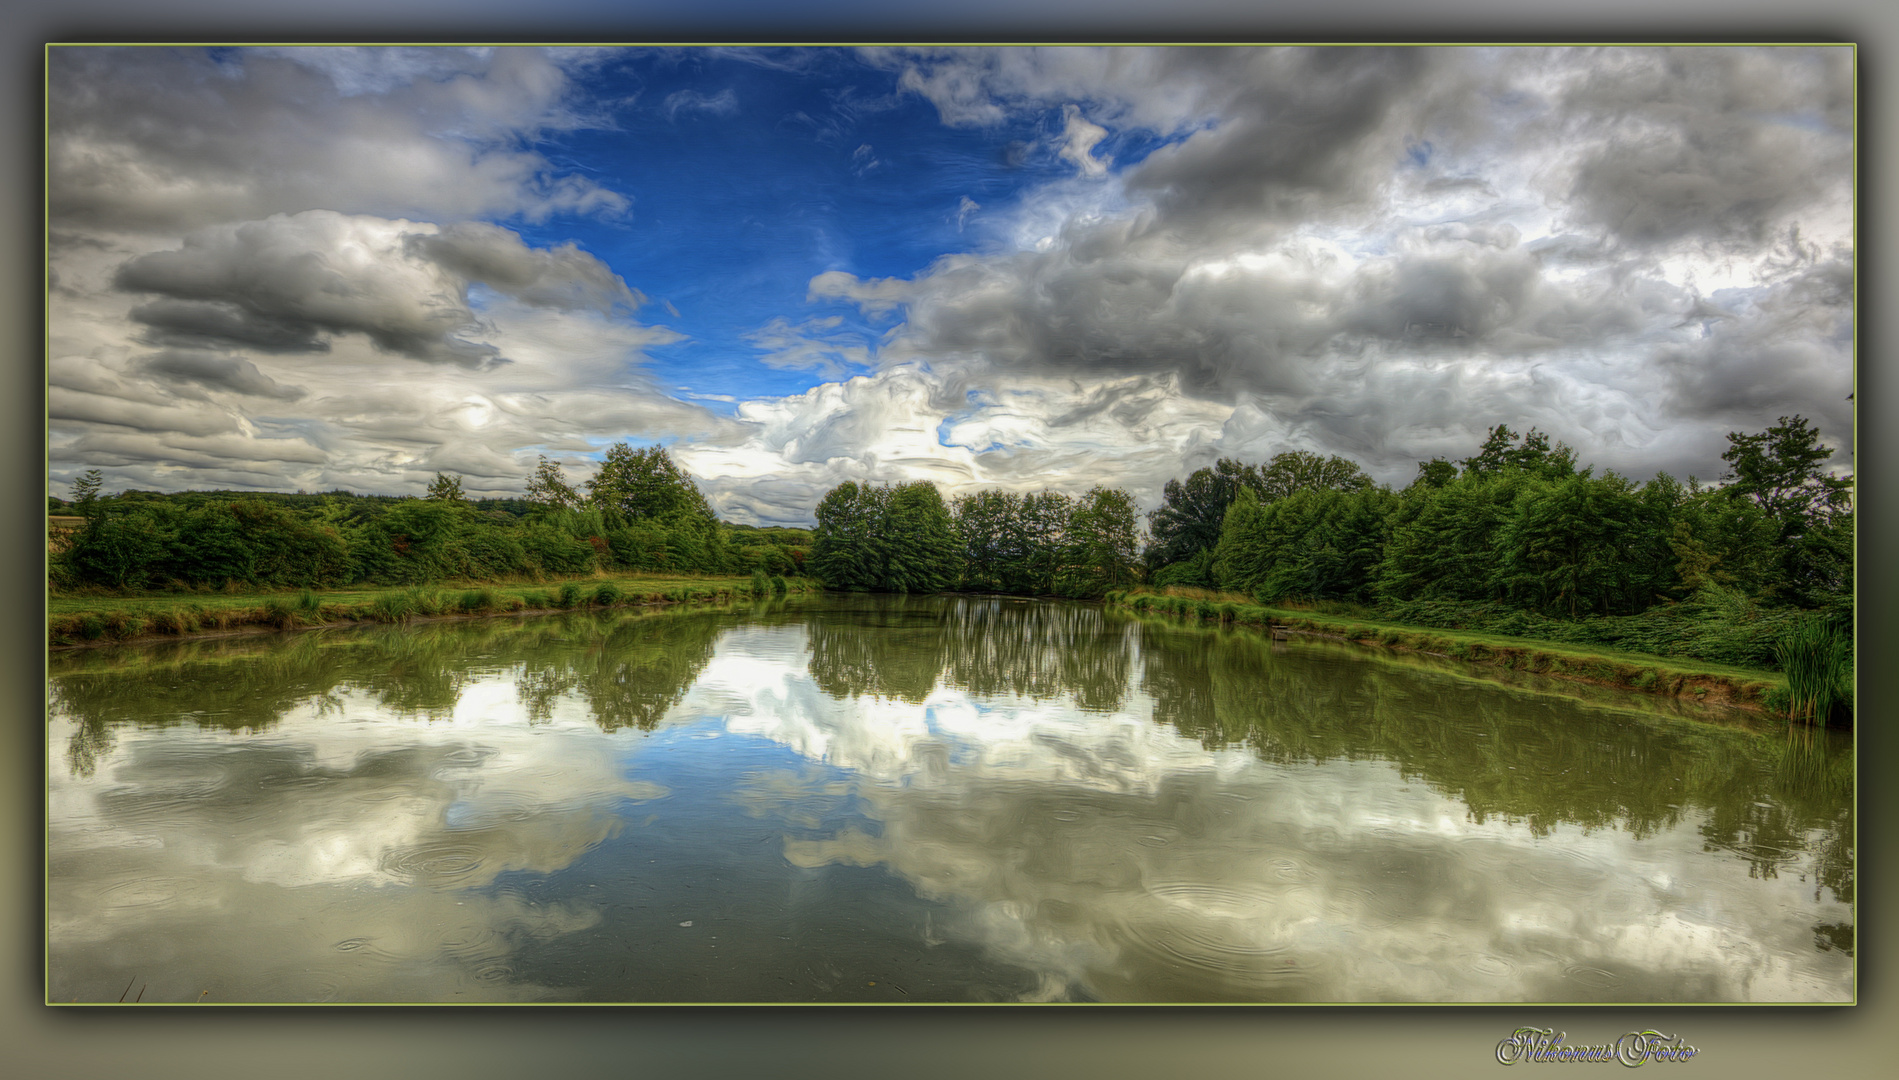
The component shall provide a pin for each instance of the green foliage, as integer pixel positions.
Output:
(1318, 543)
(645, 483)
(1100, 544)
(479, 601)
(607, 594)
(445, 488)
(779, 586)
(1434, 473)
(761, 584)
(1196, 571)
(1191, 512)
(1781, 471)
(1301, 470)
(848, 551)
(86, 490)
(548, 489)
(921, 551)
(1818, 660)
(1506, 450)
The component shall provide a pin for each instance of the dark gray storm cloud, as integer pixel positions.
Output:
(1300, 136)
(307, 274)
(200, 323)
(1713, 144)
(215, 371)
(290, 282)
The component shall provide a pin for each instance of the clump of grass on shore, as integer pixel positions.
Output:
(1818, 662)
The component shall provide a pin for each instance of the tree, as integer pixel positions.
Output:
(1302, 470)
(1780, 471)
(1188, 519)
(1531, 452)
(921, 548)
(1565, 549)
(848, 550)
(445, 488)
(1434, 473)
(548, 487)
(645, 483)
(86, 491)
(986, 524)
(1101, 544)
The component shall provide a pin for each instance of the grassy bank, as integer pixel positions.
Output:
(1712, 683)
(79, 618)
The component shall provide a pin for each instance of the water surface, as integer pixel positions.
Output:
(910, 800)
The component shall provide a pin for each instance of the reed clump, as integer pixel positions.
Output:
(1818, 662)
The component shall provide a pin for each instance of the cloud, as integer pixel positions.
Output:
(218, 372)
(166, 139)
(1376, 252)
(815, 344)
(723, 103)
(319, 272)
(562, 277)
(287, 283)
(1196, 252)
(1079, 139)
(1719, 145)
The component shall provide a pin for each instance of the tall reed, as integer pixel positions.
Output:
(1818, 661)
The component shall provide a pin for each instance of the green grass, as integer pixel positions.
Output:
(1818, 661)
(90, 615)
(1639, 672)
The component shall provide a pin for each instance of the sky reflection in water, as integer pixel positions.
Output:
(878, 799)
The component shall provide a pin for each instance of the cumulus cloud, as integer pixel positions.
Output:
(318, 272)
(280, 283)
(1380, 253)
(161, 139)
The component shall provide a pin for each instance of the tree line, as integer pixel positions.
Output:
(1517, 531)
(640, 512)
(908, 539)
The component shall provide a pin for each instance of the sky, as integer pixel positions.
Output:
(1028, 269)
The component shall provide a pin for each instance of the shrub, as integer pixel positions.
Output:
(475, 601)
(569, 596)
(277, 613)
(761, 584)
(607, 594)
(779, 586)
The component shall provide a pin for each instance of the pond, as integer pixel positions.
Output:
(888, 799)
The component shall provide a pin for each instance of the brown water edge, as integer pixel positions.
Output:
(1705, 695)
